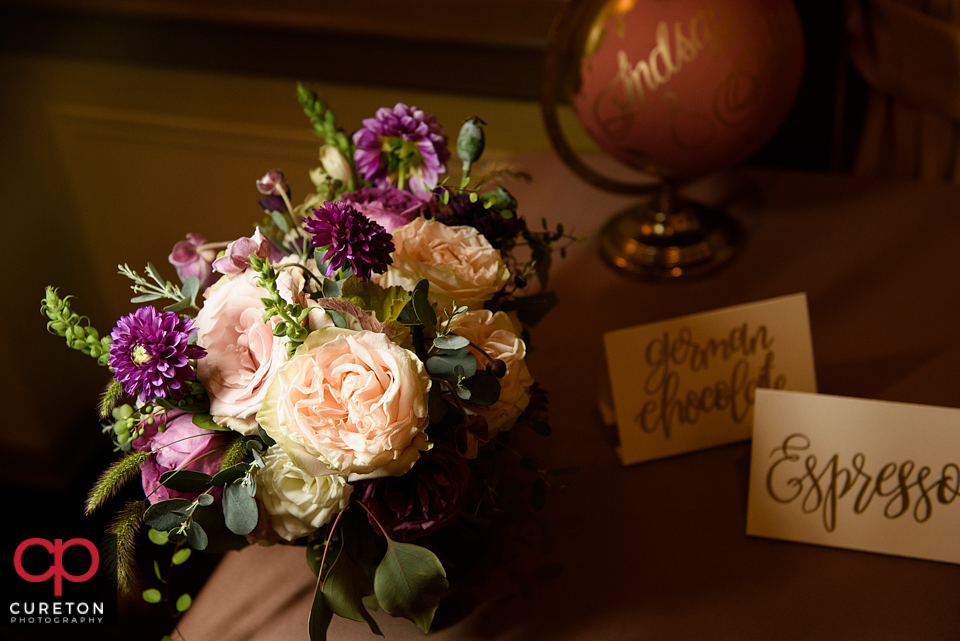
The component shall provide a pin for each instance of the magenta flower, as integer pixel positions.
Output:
(190, 262)
(350, 237)
(399, 145)
(150, 355)
(178, 445)
(431, 495)
(236, 258)
(389, 206)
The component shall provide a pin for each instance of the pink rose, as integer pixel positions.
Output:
(351, 403)
(496, 335)
(242, 353)
(459, 262)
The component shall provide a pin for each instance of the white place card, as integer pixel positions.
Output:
(852, 473)
(688, 383)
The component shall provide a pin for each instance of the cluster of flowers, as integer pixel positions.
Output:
(360, 349)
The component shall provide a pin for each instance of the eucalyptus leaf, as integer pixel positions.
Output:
(436, 406)
(331, 288)
(445, 362)
(190, 289)
(280, 221)
(421, 305)
(266, 438)
(409, 583)
(450, 341)
(344, 587)
(146, 298)
(542, 428)
(197, 537)
(484, 388)
(336, 317)
(160, 515)
(230, 474)
(239, 509)
(178, 306)
(219, 538)
(205, 500)
(531, 309)
(185, 481)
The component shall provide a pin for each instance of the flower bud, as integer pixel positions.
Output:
(334, 164)
(498, 368)
(273, 182)
(470, 142)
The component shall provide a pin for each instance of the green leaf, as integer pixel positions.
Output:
(197, 537)
(538, 495)
(205, 499)
(320, 617)
(385, 303)
(156, 570)
(484, 388)
(239, 509)
(337, 318)
(436, 406)
(230, 474)
(185, 480)
(181, 556)
(178, 306)
(542, 428)
(421, 305)
(157, 537)
(409, 583)
(160, 515)
(266, 438)
(444, 364)
(146, 298)
(152, 595)
(331, 288)
(450, 341)
(531, 309)
(206, 422)
(190, 289)
(344, 587)
(184, 602)
(280, 221)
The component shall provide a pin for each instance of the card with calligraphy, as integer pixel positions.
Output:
(689, 383)
(859, 474)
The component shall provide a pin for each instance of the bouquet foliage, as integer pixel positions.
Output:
(344, 378)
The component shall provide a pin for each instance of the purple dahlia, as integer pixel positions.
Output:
(489, 222)
(150, 355)
(350, 237)
(401, 144)
(389, 206)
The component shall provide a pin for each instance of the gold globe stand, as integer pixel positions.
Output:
(666, 237)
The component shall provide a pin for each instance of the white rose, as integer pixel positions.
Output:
(495, 334)
(297, 502)
(459, 262)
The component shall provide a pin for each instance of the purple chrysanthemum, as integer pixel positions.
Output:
(350, 238)
(150, 354)
(401, 144)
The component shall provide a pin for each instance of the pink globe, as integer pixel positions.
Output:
(687, 87)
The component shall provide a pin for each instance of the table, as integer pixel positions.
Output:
(658, 550)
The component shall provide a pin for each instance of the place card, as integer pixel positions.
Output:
(852, 473)
(688, 383)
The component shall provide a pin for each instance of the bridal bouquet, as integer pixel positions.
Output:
(344, 378)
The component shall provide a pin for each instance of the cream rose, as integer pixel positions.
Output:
(495, 334)
(297, 502)
(351, 403)
(459, 262)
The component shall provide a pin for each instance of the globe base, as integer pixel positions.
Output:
(670, 237)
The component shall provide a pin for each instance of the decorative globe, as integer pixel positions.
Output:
(682, 88)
